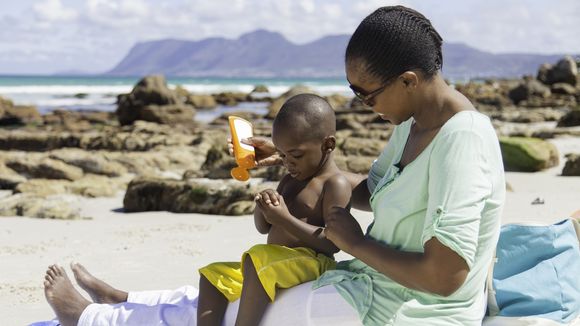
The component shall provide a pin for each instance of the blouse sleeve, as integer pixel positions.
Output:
(459, 184)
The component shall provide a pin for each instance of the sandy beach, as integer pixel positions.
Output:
(160, 250)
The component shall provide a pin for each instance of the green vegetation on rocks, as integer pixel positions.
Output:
(526, 154)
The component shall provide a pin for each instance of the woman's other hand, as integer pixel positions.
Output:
(342, 229)
(266, 154)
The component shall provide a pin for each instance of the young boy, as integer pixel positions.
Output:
(292, 216)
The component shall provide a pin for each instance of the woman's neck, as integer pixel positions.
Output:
(436, 103)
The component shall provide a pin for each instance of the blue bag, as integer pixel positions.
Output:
(537, 272)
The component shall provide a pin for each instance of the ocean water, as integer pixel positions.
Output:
(48, 93)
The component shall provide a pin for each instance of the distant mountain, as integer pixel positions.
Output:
(267, 54)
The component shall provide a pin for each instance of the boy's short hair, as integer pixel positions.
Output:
(308, 116)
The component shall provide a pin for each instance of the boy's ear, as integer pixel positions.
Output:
(329, 144)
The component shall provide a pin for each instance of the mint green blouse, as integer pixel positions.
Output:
(453, 191)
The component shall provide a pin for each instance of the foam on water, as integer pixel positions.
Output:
(100, 93)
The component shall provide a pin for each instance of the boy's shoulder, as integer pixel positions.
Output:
(337, 180)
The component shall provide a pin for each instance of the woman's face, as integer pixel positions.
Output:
(390, 103)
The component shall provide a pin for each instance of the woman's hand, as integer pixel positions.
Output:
(266, 154)
(273, 206)
(342, 229)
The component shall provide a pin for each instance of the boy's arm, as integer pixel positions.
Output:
(336, 192)
(260, 221)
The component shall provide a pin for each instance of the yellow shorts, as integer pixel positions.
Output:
(277, 267)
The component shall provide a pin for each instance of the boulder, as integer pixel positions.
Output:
(338, 101)
(563, 88)
(45, 169)
(230, 98)
(201, 101)
(527, 89)
(96, 186)
(276, 104)
(270, 173)
(43, 187)
(149, 91)
(33, 206)
(489, 93)
(168, 114)
(572, 167)
(89, 162)
(525, 154)
(354, 146)
(355, 164)
(8, 178)
(78, 121)
(19, 115)
(565, 71)
(571, 119)
(191, 196)
(218, 163)
(260, 89)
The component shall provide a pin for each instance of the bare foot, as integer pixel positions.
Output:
(100, 291)
(65, 300)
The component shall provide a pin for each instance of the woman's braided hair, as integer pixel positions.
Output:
(393, 40)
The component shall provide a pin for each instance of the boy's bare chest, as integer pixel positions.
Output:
(305, 201)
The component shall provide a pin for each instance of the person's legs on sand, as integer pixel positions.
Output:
(65, 300)
(99, 291)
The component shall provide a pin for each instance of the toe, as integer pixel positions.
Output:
(47, 284)
(51, 273)
(48, 278)
(58, 270)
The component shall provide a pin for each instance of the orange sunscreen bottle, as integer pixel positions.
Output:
(244, 154)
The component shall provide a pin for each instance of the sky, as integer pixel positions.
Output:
(48, 36)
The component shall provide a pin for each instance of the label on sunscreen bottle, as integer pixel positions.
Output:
(244, 154)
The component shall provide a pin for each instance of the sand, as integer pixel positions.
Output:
(160, 250)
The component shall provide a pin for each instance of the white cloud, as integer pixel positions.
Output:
(98, 33)
(54, 11)
(118, 13)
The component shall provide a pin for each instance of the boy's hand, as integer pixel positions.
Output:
(266, 154)
(273, 206)
(268, 196)
(342, 229)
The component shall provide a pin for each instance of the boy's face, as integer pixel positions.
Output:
(303, 159)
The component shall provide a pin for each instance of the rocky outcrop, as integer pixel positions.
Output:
(77, 121)
(17, 115)
(44, 169)
(32, 206)
(151, 100)
(94, 162)
(277, 103)
(572, 167)
(527, 89)
(201, 101)
(231, 98)
(9, 179)
(223, 197)
(564, 71)
(571, 119)
(528, 154)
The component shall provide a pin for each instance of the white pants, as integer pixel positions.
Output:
(299, 305)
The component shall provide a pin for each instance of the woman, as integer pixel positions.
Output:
(436, 191)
